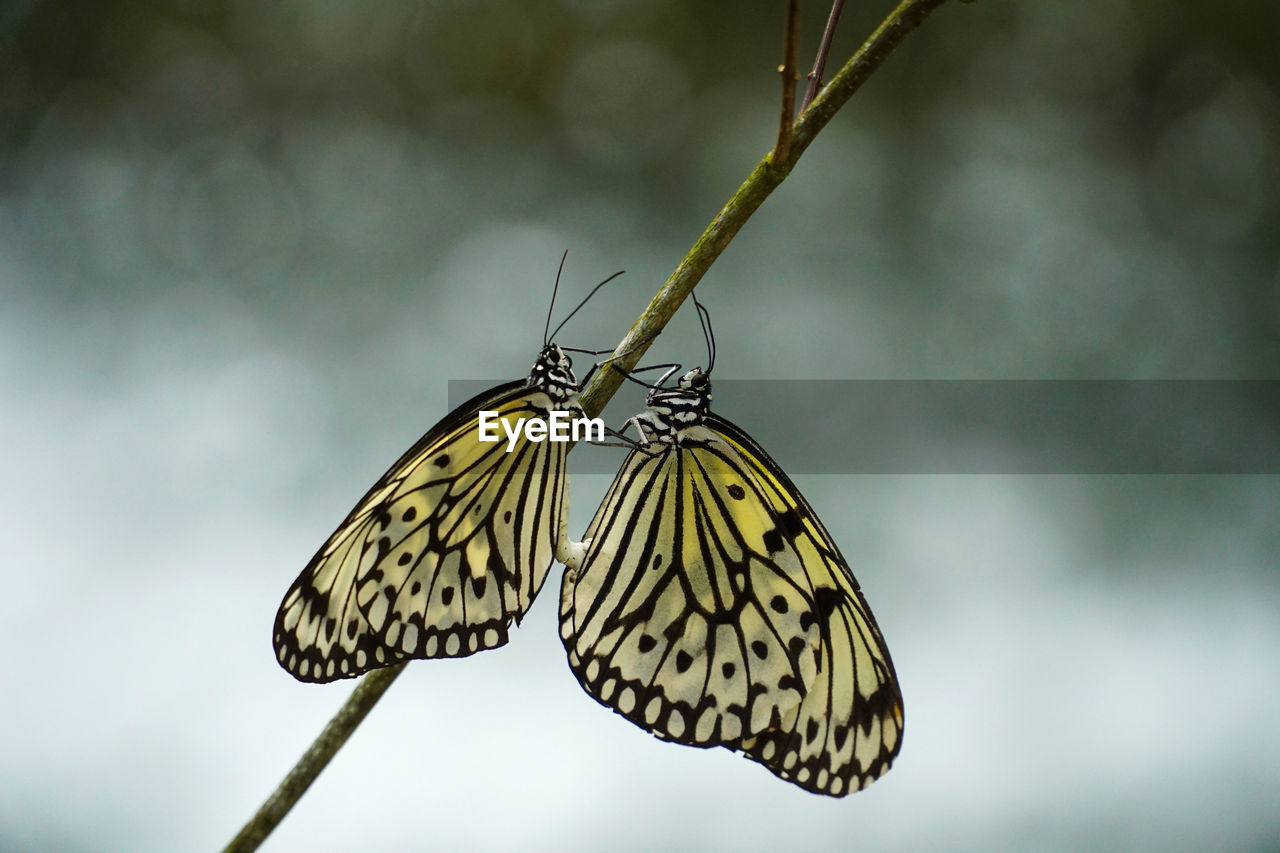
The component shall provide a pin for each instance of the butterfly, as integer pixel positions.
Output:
(710, 606)
(449, 547)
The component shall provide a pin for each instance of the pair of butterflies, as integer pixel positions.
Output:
(706, 603)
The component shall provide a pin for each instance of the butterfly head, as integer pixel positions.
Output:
(685, 405)
(553, 373)
(697, 381)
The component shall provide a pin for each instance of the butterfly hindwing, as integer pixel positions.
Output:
(445, 551)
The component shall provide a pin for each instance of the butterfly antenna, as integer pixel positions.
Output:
(704, 318)
(580, 304)
(554, 291)
(671, 369)
(614, 356)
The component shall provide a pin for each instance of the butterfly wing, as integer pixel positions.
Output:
(680, 617)
(443, 553)
(665, 622)
(847, 730)
(704, 607)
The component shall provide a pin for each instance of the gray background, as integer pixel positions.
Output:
(244, 246)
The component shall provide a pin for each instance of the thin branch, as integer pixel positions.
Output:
(782, 149)
(762, 181)
(820, 61)
(315, 759)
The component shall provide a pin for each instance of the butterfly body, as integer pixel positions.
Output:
(711, 607)
(446, 550)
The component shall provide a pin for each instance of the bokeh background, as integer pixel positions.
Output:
(244, 247)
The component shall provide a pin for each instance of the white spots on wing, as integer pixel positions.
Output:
(410, 641)
(706, 725)
(675, 723)
(730, 727)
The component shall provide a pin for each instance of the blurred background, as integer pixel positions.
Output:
(245, 246)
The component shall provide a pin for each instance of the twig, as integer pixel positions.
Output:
(782, 149)
(317, 756)
(764, 178)
(820, 61)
